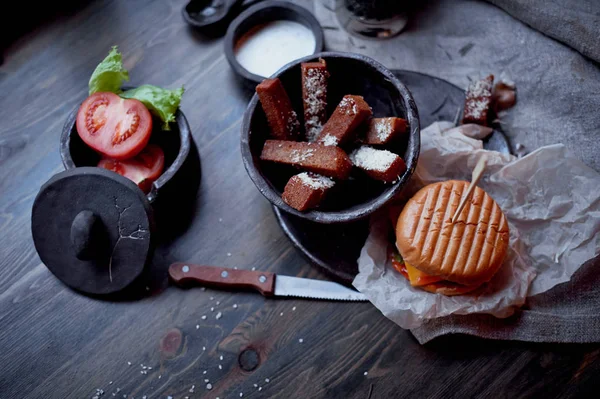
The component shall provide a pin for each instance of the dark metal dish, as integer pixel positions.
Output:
(259, 14)
(350, 74)
(175, 144)
(208, 13)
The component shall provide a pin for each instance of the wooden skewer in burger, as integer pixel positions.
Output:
(452, 237)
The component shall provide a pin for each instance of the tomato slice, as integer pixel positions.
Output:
(143, 169)
(114, 127)
(400, 267)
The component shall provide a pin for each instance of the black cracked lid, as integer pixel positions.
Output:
(92, 228)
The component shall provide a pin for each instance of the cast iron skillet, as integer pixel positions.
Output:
(358, 197)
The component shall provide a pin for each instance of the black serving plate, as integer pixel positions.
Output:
(336, 247)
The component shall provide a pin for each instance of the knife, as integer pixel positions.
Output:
(267, 283)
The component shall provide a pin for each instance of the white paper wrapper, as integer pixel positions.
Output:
(551, 201)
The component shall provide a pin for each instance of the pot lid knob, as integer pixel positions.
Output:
(88, 236)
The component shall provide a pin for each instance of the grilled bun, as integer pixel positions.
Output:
(467, 252)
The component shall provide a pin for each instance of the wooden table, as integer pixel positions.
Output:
(55, 343)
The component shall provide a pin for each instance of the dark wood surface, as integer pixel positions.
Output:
(55, 343)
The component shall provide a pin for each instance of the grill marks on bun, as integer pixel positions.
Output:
(470, 250)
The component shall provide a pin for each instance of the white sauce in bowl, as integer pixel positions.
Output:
(266, 48)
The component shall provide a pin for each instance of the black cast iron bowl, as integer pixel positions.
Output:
(356, 74)
(175, 143)
(262, 13)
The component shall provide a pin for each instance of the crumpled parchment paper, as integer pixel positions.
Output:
(551, 201)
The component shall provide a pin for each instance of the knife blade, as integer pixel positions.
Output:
(267, 283)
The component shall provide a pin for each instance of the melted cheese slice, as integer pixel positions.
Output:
(417, 277)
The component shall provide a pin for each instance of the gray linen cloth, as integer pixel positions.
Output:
(558, 102)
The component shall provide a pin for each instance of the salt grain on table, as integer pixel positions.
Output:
(221, 357)
(192, 388)
(197, 326)
(235, 306)
(267, 380)
(209, 386)
(300, 340)
(218, 316)
(294, 309)
(203, 317)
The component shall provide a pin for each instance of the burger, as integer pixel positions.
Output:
(449, 257)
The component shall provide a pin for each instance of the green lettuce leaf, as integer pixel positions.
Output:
(109, 74)
(398, 257)
(161, 102)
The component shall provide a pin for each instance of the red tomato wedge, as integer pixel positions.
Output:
(400, 267)
(114, 127)
(143, 169)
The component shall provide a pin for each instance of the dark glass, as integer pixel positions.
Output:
(373, 18)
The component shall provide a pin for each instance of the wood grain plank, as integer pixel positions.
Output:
(56, 343)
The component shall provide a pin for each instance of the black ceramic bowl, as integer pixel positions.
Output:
(175, 143)
(262, 13)
(350, 74)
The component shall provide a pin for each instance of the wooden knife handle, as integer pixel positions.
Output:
(222, 277)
